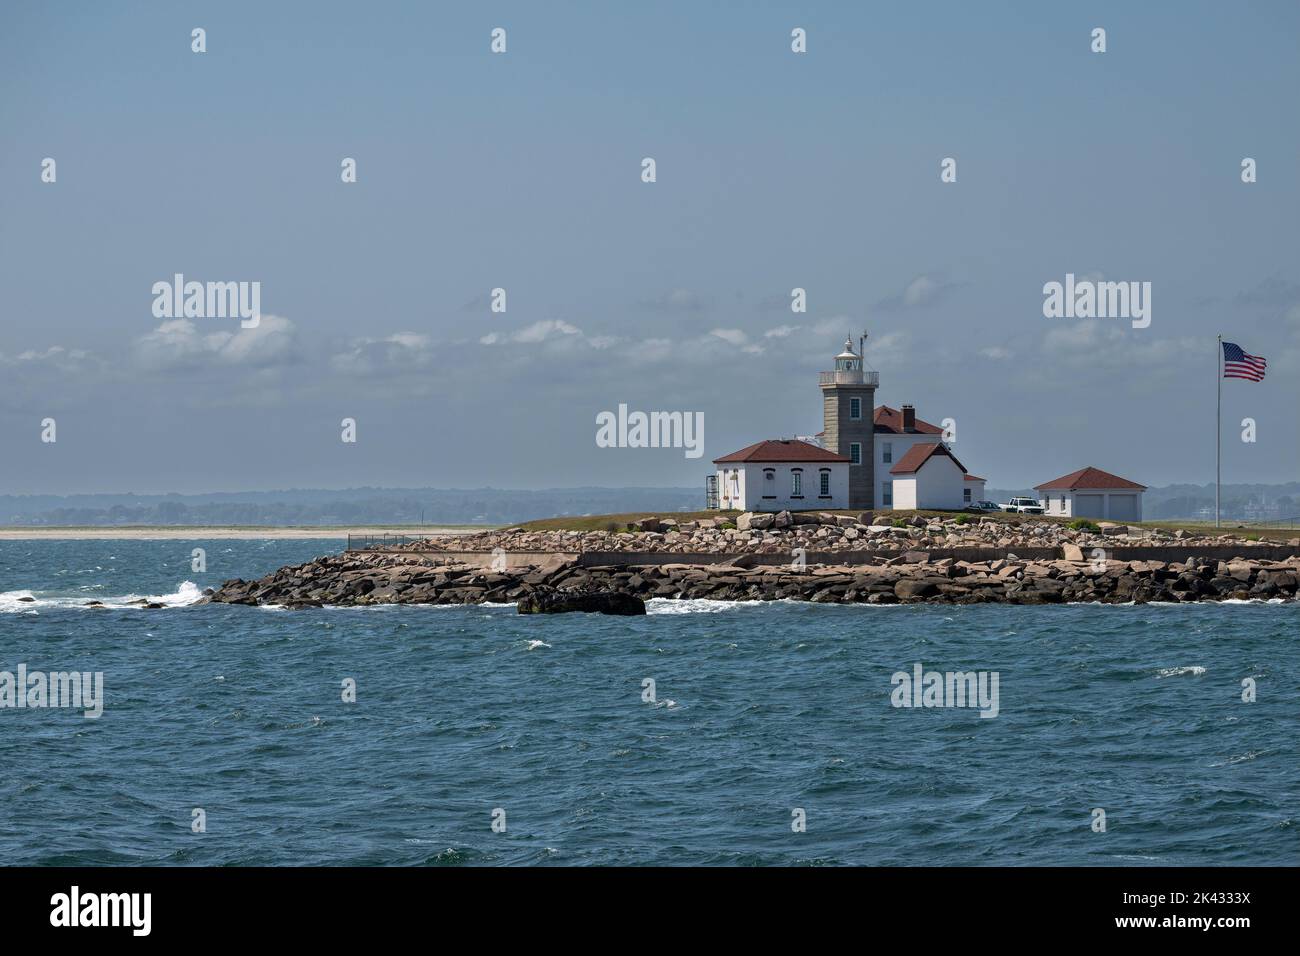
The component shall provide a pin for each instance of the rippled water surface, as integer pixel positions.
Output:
(759, 709)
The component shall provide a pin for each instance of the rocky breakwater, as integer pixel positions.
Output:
(783, 532)
(908, 572)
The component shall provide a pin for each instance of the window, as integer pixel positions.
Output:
(826, 485)
(887, 494)
(796, 485)
(855, 452)
(769, 474)
(965, 495)
(855, 408)
(888, 455)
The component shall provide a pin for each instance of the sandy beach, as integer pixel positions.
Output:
(145, 534)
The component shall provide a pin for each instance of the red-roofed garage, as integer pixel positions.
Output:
(1092, 493)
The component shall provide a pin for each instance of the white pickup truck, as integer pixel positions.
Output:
(1024, 506)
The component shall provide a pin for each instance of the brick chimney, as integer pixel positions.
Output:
(909, 418)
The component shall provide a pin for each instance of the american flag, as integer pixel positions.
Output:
(1241, 364)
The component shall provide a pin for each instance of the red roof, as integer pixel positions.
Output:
(1088, 478)
(890, 421)
(780, 449)
(919, 454)
(975, 478)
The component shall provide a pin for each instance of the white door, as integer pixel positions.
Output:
(1089, 506)
(1124, 507)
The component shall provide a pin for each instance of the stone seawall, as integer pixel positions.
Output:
(903, 577)
(506, 560)
(823, 557)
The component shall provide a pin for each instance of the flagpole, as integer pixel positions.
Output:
(1218, 434)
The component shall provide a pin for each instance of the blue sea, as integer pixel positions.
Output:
(763, 717)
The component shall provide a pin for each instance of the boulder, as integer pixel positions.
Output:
(915, 588)
(590, 602)
(1071, 552)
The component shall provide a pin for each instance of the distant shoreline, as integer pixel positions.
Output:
(165, 533)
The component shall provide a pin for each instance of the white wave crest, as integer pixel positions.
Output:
(1195, 670)
(187, 592)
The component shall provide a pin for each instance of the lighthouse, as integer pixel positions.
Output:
(848, 406)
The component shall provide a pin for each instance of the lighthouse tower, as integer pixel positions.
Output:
(848, 407)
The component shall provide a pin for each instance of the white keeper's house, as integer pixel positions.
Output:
(866, 457)
(1092, 493)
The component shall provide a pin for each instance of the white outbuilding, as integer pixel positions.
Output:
(930, 477)
(1092, 493)
(783, 474)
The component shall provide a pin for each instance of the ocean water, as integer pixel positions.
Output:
(759, 711)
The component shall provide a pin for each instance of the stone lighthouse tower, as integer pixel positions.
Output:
(848, 410)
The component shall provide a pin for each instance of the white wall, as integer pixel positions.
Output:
(1111, 508)
(905, 493)
(1053, 504)
(756, 492)
(901, 445)
(939, 484)
(976, 491)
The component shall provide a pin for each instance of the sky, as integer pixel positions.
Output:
(522, 170)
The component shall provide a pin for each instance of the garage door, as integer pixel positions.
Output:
(1124, 507)
(1089, 506)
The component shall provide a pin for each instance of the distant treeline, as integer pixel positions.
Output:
(1237, 502)
(361, 506)
(380, 506)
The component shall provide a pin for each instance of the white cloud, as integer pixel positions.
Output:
(179, 342)
(781, 331)
(533, 334)
(997, 353)
(919, 291)
(733, 336)
(56, 356)
(1106, 344)
(394, 353)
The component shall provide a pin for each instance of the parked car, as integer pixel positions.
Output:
(1024, 506)
(986, 506)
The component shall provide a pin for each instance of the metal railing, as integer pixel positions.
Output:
(379, 542)
(1282, 524)
(855, 376)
